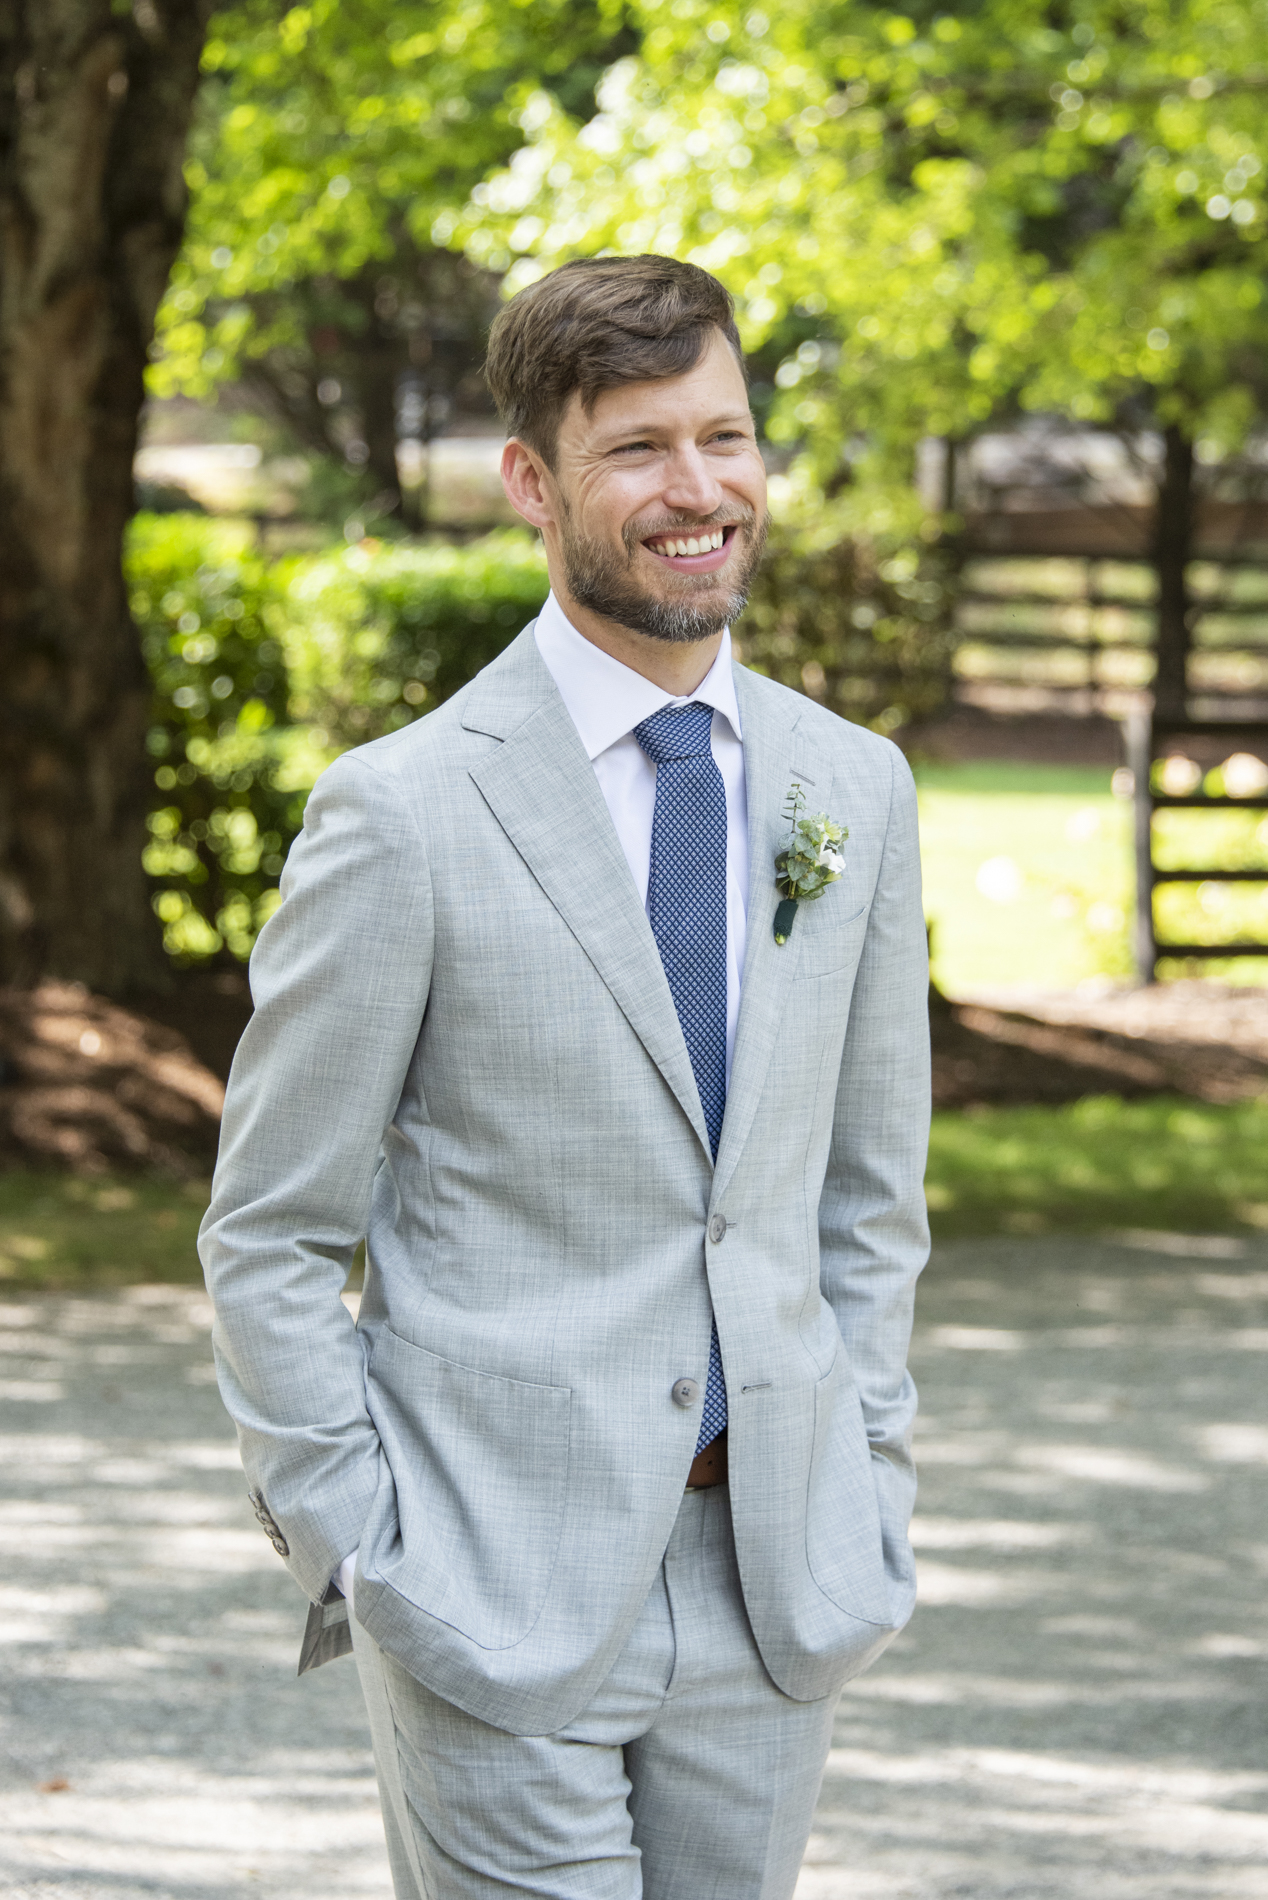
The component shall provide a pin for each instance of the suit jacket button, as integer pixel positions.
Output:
(685, 1392)
(717, 1230)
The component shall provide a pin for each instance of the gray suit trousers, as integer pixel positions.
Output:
(688, 1773)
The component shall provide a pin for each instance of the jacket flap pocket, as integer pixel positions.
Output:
(480, 1468)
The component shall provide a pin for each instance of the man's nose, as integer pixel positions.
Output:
(690, 486)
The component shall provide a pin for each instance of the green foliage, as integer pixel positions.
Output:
(1009, 206)
(213, 623)
(335, 145)
(327, 135)
(1160, 1163)
(869, 636)
(264, 672)
(381, 634)
(811, 861)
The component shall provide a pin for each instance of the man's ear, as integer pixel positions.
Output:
(528, 484)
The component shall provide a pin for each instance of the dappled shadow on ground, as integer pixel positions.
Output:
(1193, 1038)
(209, 1009)
(1201, 1039)
(151, 1634)
(1196, 1039)
(88, 1087)
(1077, 1709)
(1079, 1706)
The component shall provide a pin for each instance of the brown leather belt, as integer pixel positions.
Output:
(708, 1467)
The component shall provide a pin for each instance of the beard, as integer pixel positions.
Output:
(606, 583)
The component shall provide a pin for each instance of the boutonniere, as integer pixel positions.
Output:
(809, 862)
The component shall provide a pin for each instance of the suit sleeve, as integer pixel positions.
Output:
(340, 977)
(874, 1235)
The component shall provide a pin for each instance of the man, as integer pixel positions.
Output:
(614, 1466)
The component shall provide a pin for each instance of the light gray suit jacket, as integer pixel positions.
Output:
(465, 1049)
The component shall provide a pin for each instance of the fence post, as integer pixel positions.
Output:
(1138, 732)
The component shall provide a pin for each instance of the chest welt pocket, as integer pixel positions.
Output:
(830, 942)
(480, 1467)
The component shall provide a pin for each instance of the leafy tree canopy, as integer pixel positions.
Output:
(336, 143)
(945, 217)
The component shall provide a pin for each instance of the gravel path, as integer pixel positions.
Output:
(1078, 1712)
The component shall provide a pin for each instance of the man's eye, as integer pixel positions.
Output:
(634, 448)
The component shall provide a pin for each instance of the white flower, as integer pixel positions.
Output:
(808, 863)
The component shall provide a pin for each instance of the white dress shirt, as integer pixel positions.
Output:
(606, 701)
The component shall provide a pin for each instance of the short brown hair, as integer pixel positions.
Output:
(594, 324)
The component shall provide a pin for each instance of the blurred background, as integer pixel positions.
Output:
(1001, 274)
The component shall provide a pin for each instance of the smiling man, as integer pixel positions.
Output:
(614, 1468)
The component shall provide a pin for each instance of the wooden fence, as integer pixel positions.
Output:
(1056, 613)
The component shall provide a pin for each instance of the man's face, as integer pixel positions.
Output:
(657, 468)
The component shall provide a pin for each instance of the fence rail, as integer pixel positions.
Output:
(1149, 740)
(1075, 632)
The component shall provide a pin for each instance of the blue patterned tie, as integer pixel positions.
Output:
(686, 903)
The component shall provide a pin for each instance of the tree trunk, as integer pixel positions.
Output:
(95, 104)
(377, 366)
(1172, 550)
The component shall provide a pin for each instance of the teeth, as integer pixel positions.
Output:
(697, 544)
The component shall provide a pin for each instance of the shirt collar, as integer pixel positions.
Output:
(605, 699)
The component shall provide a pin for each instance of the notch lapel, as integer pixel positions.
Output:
(775, 751)
(541, 788)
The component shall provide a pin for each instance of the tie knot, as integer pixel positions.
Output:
(676, 732)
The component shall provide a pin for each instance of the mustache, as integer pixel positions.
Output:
(636, 532)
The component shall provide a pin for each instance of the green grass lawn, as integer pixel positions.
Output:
(1161, 1163)
(1027, 872)
(1098, 1165)
(1029, 877)
(57, 1231)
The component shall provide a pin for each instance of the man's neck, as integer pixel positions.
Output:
(676, 667)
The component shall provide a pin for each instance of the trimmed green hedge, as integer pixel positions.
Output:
(213, 623)
(379, 635)
(265, 670)
(867, 635)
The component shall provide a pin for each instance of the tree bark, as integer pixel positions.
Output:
(94, 110)
(381, 362)
(1172, 551)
